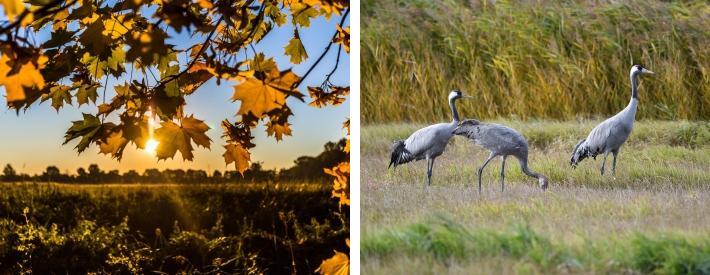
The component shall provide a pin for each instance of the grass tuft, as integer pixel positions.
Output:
(444, 240)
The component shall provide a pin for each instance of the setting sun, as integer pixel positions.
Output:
(151, 145)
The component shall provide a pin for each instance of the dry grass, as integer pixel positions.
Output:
(661, 188)
(533, 59)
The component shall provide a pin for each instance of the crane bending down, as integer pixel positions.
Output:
(502, 141)
(429, 142)
(612, 133)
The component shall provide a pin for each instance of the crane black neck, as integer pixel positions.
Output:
(634, 86)
(454, 112)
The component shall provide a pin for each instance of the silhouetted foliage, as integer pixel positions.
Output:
(305, 168)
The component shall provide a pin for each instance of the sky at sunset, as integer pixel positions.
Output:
(32, 140)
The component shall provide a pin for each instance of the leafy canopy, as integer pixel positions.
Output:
(91, 42)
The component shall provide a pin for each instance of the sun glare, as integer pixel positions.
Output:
(151, 145)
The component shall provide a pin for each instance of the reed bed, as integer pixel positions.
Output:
(533, 59)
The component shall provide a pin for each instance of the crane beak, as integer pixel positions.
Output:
(647, 71)
(466, 96)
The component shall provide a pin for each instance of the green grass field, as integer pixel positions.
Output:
(168, 228)
(652, 217)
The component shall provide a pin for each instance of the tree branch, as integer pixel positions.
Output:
(327, 48)
(45, 10)
(192, 63)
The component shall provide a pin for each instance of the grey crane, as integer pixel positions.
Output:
(500, 140)
(429, 142)
(612, 133)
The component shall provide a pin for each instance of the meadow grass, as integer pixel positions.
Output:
(50, 228)
(533, 59)
(652, 217)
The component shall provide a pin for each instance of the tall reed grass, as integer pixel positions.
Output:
(533, 59)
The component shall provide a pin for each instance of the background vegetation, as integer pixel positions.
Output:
(305, 168)
(136, 229)
(651, 217)
(533, 59)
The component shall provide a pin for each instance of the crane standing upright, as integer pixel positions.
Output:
(612, 133)
(429, 142)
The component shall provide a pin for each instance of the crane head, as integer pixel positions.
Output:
(457, 94)
(638, 69)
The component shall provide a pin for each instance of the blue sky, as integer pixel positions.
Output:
(33, 140)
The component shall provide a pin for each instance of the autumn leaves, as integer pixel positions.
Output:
(92, 43)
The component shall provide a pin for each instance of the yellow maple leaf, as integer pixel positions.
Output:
(60, 21)
(278, 130)
(237, 154)
(28, 76)
(196, 129)
(172, 139)
(343, 37)
(341, 172)
(261, 96)
(114, 145)
(116, 27)
(339, 264)
(12, 8)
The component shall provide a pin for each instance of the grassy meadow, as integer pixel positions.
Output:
(48, 228)
(533, 59)
(652, 217)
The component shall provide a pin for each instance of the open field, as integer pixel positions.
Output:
(654, 216)
(146, 228)
(533, 58)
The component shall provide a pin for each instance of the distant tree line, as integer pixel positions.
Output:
(305, 168)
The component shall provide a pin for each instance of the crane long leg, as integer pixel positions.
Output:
(604, 161)
(613, 166)
(480, 170)
(429, 166)
(502, 175)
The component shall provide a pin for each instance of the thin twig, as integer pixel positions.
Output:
(45, 10)
(327, 48)
(197, 56)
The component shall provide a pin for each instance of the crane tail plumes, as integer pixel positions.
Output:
(400, 155)
(581, 151)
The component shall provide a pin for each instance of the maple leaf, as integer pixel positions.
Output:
(59, 95)
(28, 76)
(173, 138)
(238, 132)
(60, 22)
(296, 50)
(196, 129)
(94, 39)
(339, 264)
(116, 27)
(278, 130)
(86, 93)
(86, 128)
(343, 38)
(341, 190)
(322, 99)
(12, 8)
(302, 14)
(261, 96)
(237, 154)
(114, 144)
